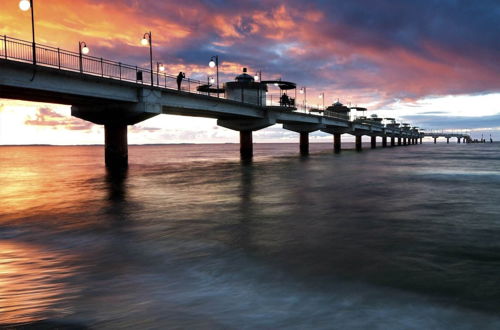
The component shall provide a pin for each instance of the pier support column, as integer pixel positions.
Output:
(246, 145)
(304, 143)
(404, 141)
(384, 141)
(115, 145)
(358, 143)
(399, 140)
(337, 143)
(393, 141)
(374, 142)
(435, 140)
(421, 140)
(447, 140)
(458, 140)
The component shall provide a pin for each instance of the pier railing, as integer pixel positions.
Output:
(48, 56)
(22, 51)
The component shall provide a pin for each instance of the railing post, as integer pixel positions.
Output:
(59, 58)
(102, 68)
(120, 69)
(5, 45)
(189, 85)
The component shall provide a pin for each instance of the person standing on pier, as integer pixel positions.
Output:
(180, 76)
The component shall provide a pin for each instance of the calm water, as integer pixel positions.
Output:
(190, 238)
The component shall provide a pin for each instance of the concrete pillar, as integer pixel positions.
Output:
(447, 140)
(384, 141)
(404, 141)
(393, 141)
(374, 142)
(246, 145)
(458, 140)
(115, 145)
(359, 147)
(435, 140)
(304, 143)
(421, 140)
(399, 140)
(337, 143)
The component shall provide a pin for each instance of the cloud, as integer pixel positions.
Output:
(455, 122)
(47, 117)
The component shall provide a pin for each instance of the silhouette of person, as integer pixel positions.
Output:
(285, 100)
(180, 76)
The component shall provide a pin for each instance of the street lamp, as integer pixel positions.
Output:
(258, 76)
(82, 50)
(148, 40)
(322, 97)
(214, 62)
(26, 5)
(159, 68)
(303, 90)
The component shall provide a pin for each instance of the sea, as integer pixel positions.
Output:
(190, 237)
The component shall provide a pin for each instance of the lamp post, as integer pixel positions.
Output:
(214, 62)
(303, 90)
(82, 50)
(258, 76)
(322, 97)
(159, 68)
(26, 5)
(148, 40)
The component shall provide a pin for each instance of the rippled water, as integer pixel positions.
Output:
(190, 238)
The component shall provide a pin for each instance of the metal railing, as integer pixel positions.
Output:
(21, 51)
(47, 56)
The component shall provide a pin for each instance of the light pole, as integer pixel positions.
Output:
(303, 90)
(147, 39)
(159, 68)
(82, 50)
(322, 97)
(26, 5)
(258, 76)
(214, 62)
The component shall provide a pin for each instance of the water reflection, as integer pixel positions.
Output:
(33, 283)
(115, 180)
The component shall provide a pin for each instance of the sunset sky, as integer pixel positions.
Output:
(434, 63)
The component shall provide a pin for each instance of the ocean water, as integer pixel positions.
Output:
(192, 238)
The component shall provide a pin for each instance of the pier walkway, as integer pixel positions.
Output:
(115, 95)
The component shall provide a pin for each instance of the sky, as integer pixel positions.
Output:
(433, 63)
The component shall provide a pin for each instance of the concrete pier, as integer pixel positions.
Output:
(116, 145)
(399, 140)
(246, 145)
(435, 140)
(393, 141)
(447, 140)
(359, 146)
(404, 141)
(304, 143)
(384, 141)
(373, 142)
(337, 143)
(458, 140)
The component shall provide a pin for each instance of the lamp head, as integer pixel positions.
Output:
(256, 77)
(302, 90)
(144, 41)
(211, 64)
(85, 50)
(212, 80)
(162, 68)
(24, 5)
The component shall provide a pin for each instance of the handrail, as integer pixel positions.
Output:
(49, 56)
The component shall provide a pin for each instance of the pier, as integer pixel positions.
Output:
(116, 95)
